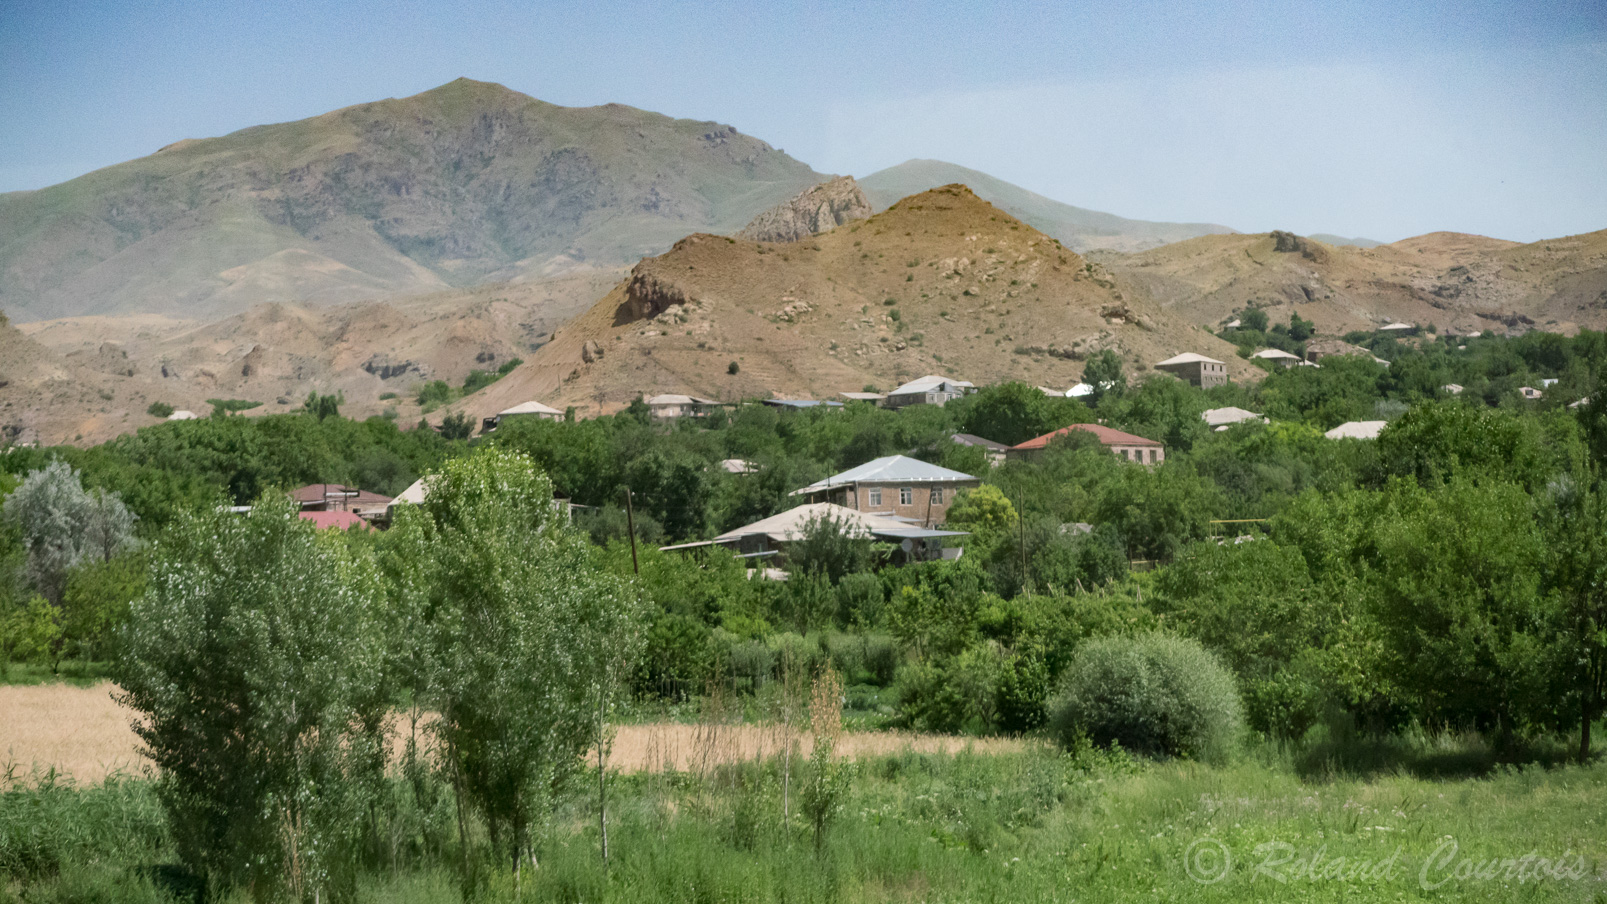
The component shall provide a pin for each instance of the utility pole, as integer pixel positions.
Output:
(1021, 527)
(630, 527)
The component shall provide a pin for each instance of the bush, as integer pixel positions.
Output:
(1154, 694)
(732, 368)
(159, 409)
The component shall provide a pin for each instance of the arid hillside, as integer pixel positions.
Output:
(91, 378)
(942, 282)
(467, 184)
(1460, 282)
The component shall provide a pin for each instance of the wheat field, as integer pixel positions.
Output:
(84, 734)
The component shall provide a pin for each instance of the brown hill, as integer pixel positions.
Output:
(1454, 281)
(88, 379)
(942, 282)
(466, 184)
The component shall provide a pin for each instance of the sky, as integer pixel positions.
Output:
(1381, 119)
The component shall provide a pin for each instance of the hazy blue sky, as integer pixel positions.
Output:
(1381, 119)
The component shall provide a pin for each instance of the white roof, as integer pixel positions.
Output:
(1397, 325)
(1221, 417)
(889, 469)
(1080, 390)
(929, 383)
(738, 466)
(679, 400)
(1188, 358)
(789, 525)
(182, 415)
(529, 408)
(415, 492)
(1357, 430)
(1275, 353)
(864, 396)
(1452, 388)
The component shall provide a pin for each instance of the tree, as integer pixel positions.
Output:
(525, 634)
(1104, 373)
(61, 524)
(323, 406)
(984, 511)
(1015, 412)
(829, 546)
(1300, 329)
(159, 409)
(256, 660)
(1578, 543)
(1253, 319)
(456, 426)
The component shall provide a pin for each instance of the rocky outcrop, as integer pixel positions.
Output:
(648, 294)
(1289, 243)
(826, 206)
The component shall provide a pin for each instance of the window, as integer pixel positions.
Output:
(875, 495)
(937, 495)
(1152, 454)
(906, 496)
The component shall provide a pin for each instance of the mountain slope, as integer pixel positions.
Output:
(1465, 283)
(1076, 228)
(464, 184)
(941, 282)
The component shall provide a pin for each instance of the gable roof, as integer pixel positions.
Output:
(1221, 417)
(929, 383)
(1106, 435)
(1277, 354)
(888, 469)
(351, 497)
(1188, 358)
(336, 520)
(1357, 430)
(971, 439)
(529, 408)
(672, 399)
(864, 396)
(790, 524)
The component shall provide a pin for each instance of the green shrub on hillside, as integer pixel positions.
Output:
(1154, 694)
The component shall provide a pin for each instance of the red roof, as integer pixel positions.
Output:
(336, 494)
(336, 520)
(1104, 434)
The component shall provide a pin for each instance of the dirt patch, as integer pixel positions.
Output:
(83, 733)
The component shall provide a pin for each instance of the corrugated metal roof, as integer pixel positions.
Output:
(789, 525)
(1218, 417)
(888, 469)
(864, 396)
(1105, 435)
(1274, 354)
(1357, 430)
(929, 383)
(529, 408)
(1188, 358)
(971, 439)
(671, 399)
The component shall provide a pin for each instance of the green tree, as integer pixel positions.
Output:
(61, 524)
(831, 547)
(159, 409)
(1015, 412)
(1104, 373)
(323, 406)
(256, 661)
(456, 426)
(525, 633)
(1253, 319)
(1577, 532)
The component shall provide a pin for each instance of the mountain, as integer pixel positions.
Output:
(942, 282)
(1464, 283)
(1329, 239)
(825, 206)
(466, 184)
(1076, 228)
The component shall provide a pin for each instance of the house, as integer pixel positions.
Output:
(773, 534)
(1197, 369)
(738, 466)
(182, 415)
(525, 409)
(1318, 349)
(1452, 388)
(1128, 446)
(680, 406)
(893, 486)
(995, 451)
(928, 390)
(1220, 419)
(1357, 430)
(1530, 393)
(337, 520)
(333, 497)
(1279, 356)
(1398, 328)
(799, 403)
(864, 396)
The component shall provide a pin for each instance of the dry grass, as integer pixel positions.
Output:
(83, 733)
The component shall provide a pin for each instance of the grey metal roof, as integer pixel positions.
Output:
(889, 469)
(971, 439)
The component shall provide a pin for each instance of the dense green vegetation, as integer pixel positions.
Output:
(1430, 602)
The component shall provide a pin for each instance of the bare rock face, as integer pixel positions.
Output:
(591, 351)
(826, 206)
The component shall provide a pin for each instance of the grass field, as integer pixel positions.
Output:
(926, 819)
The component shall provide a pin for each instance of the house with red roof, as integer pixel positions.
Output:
(1127, 445)
(338, 520)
